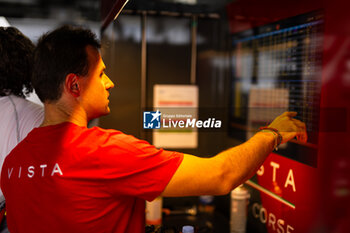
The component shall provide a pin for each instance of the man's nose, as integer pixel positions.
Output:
(110, 84)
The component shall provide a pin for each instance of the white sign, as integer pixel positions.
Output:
(4, 22)
(178, 105)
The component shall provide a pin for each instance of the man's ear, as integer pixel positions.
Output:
(72, 85)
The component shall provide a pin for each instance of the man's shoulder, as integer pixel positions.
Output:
(101, 131)
(118, 138)
(27, 110)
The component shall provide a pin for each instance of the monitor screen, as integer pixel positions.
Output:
(275, 68)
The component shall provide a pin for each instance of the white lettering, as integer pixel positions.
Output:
(9, 172)
(275, 166)
(280, 224)
(218, 124)
(43, 166)
(56, 169)
(289, 228)
(199, 124)
(259, 212)
(19, 172)
(174, 123)
(164, 125)
(209, 123)
(30, 171)
(256, 210)
(272, 220)
(261, 170)
(263, 215)
(191, 123)
(290, 180)
(206, 123)
(181, 124)
(168, 115)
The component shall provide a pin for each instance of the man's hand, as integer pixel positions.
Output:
(289, 127)
(220, 174)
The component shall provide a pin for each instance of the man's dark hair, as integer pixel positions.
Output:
(59, 53)
(16, 62)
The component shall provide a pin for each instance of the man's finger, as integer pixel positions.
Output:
(301, 130)
(302, 136)
(289, 114)
(300, 124)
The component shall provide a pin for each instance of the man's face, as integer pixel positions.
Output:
(95, 86)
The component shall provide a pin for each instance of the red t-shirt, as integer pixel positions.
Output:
(66, 178)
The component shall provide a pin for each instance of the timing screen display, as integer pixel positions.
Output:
(276, 68)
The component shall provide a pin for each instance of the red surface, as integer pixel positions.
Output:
(322, 196)
(298, 188)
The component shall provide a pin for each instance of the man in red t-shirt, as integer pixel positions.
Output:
(64, 177)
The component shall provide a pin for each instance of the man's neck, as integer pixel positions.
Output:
(59, 112)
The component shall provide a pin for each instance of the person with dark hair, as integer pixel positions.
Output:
(18, 116)
(65, 177)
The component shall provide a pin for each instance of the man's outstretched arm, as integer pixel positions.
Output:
(220, 174)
